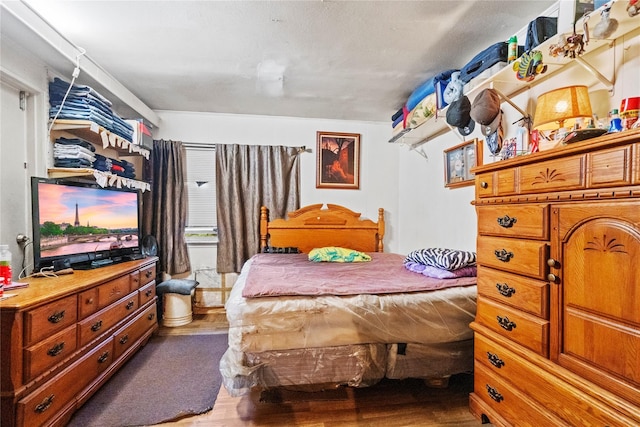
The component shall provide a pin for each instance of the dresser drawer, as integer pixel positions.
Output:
(87, 302)
(525, 329)
(49, 319)
(147, 293)
(520, 292)
(524, 221)
(127, 336)
(528, 257)
(96, 325)
(113, 290)
(564, 400)
(563, 174)
(610, 167)
(512, 405)
(134, 279)
(147, 274)
(49, 352)
(55, 395)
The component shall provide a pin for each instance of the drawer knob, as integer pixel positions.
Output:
(151, 316)
(148, 293)
(552, 278)
(493, 393)
(553, 263)
(148, 274)
(56, 317)
(124, 339)
(103, 358)
(96, 326)
(505, 323)
(495, 360)
(89, 301)
(506, 221)
(505, 290)
(484, 184)
(129, 305)
(503, 255)
(44, 405)
(56, 349)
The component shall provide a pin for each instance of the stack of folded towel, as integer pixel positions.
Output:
(442, 263)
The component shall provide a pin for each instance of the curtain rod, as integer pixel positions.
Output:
(301, 149)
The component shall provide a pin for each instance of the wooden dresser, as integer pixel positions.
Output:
(557, 329)
(63, 337)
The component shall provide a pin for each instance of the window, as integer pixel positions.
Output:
(201, 187)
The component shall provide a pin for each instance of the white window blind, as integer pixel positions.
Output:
(201, 185)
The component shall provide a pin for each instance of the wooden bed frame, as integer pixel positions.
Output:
(333, 226)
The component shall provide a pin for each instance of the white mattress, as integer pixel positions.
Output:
(281, 323)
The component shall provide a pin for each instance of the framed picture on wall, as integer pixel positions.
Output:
(338, 160)
(458, 162)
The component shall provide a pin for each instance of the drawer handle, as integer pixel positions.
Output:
(503, 255)
(506, 221)
(89, 301)
(495, 360)
(56, 317)
(124, 339)
(96, 326)
(44, 405)
(103, 358)
(484, 184)
(56, 349)
(148, 293)
(493, 393)
(505, 290)
(151, 316)
(148, 274)
(129, 305)
(552, 278)
(505, 323)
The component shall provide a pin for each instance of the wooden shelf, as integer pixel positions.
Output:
(505, 80)
(98, 135)
(104, 179)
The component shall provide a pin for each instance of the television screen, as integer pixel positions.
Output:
(77, 223)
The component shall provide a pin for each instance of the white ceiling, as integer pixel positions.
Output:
(352, 60)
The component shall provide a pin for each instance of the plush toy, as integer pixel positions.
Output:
(571, 46)
(453, 91)
(633, 8)
(529, 66)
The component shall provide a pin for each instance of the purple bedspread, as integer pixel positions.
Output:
(294, 274)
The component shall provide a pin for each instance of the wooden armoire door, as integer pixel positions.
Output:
(595, 294)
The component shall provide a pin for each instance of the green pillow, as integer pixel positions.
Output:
(336, 254)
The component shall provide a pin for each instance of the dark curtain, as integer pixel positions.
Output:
(165, 206)
(248, 177)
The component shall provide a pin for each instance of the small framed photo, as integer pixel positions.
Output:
(458, 162)
(338, 160)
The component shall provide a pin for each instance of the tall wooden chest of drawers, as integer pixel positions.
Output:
(557, 330)
(63, 337)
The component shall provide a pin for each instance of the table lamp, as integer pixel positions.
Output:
(558, 109)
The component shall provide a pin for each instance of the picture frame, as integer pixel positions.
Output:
(458, 162)
(338, 160)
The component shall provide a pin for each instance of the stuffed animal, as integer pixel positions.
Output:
(453, 91)
(571, 46)
(633, 8)
(529, 66)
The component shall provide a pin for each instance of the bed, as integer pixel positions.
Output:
(363, 321)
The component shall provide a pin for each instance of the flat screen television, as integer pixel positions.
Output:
(82, 225)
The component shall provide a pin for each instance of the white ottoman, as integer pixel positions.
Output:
(175, 299)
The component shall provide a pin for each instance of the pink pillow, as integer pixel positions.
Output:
(439, 273)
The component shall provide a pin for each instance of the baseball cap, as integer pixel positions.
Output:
(458, 115)
(486, 111)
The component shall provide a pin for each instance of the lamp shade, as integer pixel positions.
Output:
(555, 107)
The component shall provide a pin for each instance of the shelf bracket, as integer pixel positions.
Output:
(508, 100)
(590, 68)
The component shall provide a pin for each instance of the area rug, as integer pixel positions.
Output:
(169, 378)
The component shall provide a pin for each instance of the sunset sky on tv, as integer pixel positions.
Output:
(96, 207)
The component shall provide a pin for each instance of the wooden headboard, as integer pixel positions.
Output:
(314, 227)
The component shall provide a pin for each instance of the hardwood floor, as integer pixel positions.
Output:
(389, 403)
